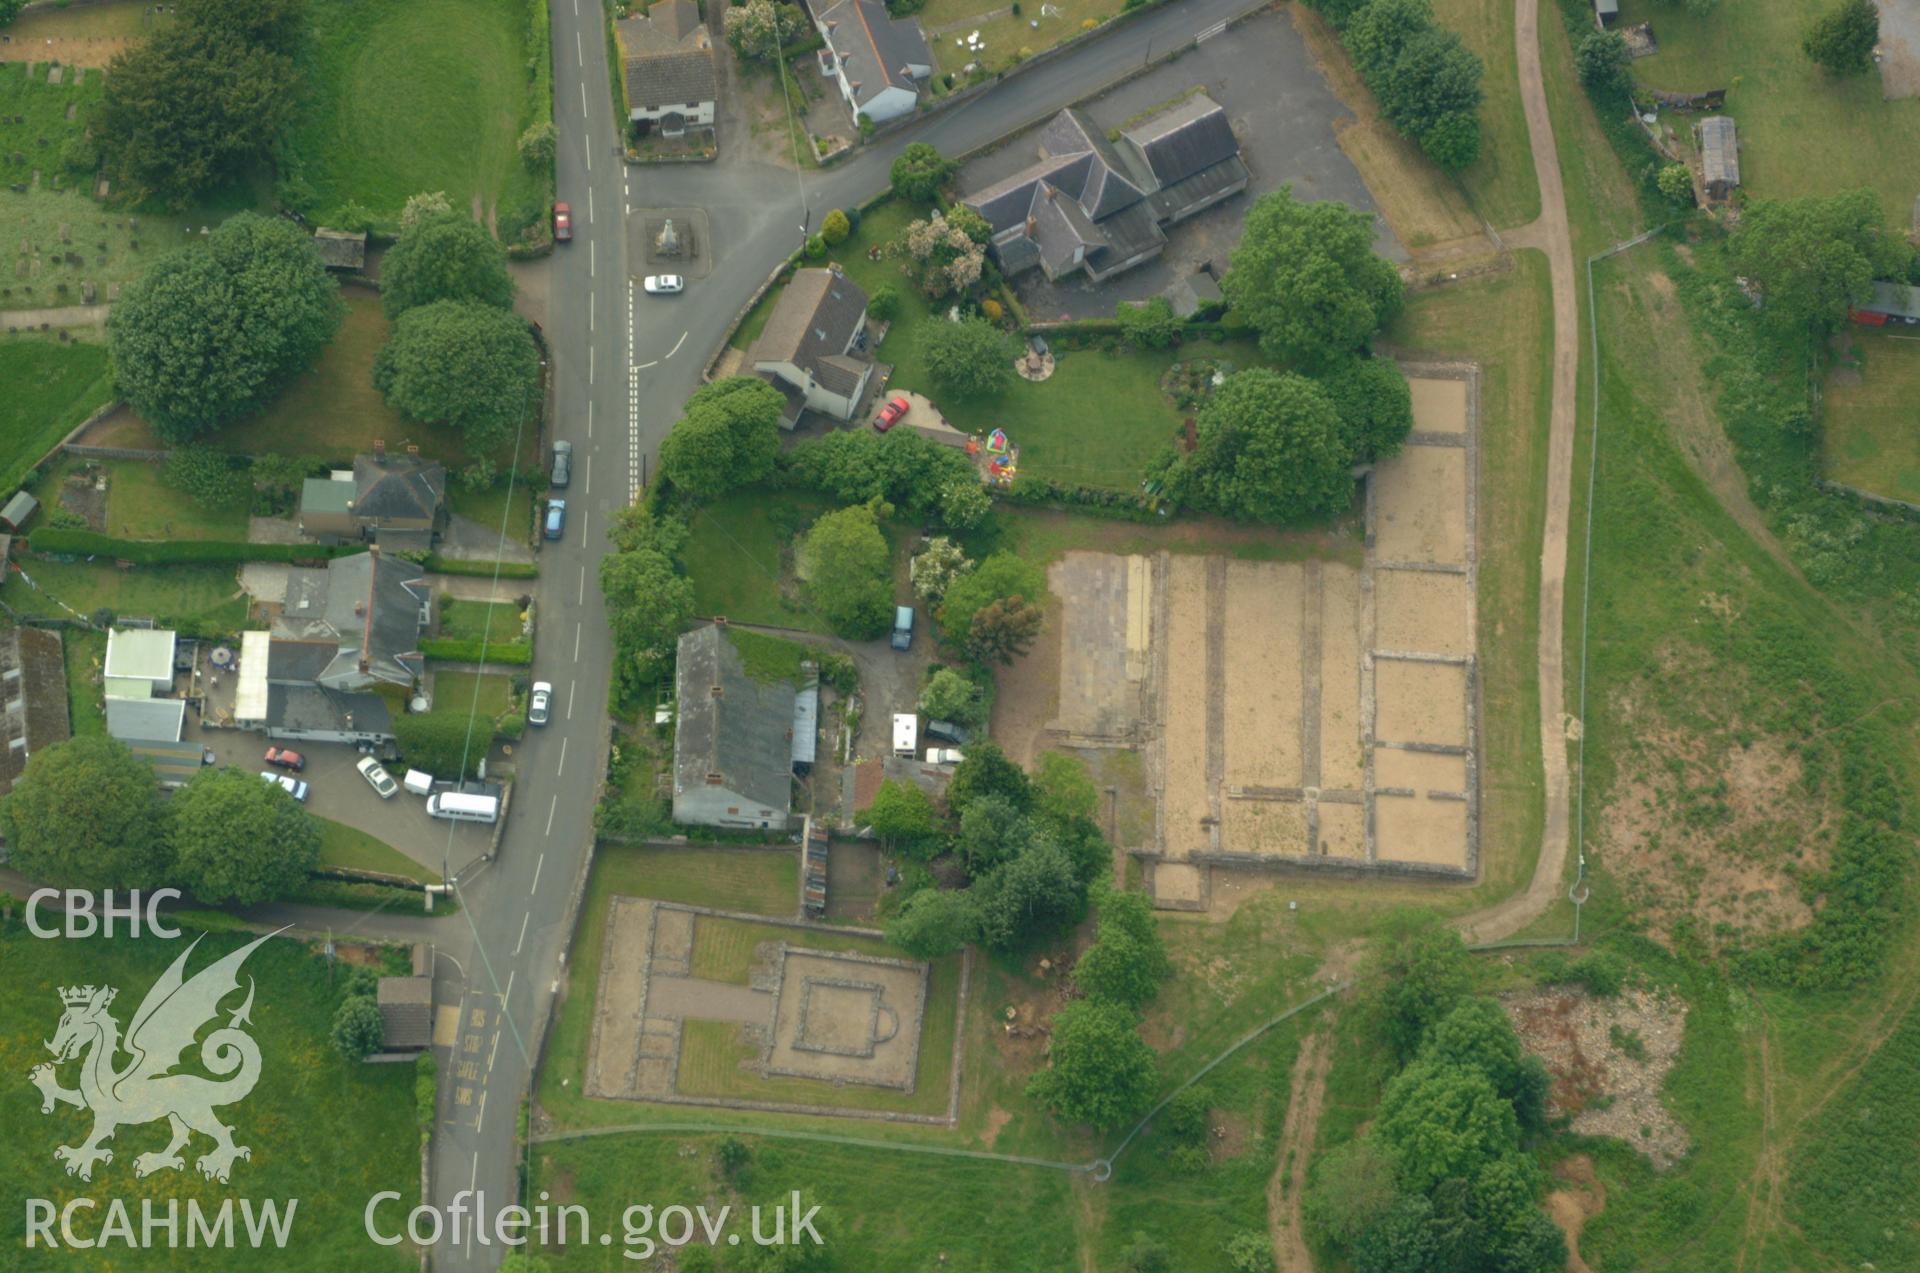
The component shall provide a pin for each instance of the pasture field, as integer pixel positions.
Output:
(51, 387)
(1870, 416)
(371, 1143)
(406, 96)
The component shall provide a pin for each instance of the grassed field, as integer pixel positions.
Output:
(371, 1141)
(51, 387)
(349, 848)
(1802, 131)
(84, 653)
(882, 1211)
(1870, 419)
(405, 96)
(190, 596)
(1501, 182)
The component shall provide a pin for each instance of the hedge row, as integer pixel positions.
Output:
(454, 566)
(1101, 501)
(154, 552)
(467, 650)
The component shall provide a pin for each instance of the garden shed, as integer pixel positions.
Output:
(1719, 156)
(17, 510)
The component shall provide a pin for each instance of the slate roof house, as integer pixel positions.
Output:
(342, 631)
(400, 501)
(878, 60)
(813, 346)
(1719, 156)
(1099, 207)
(671, 80)
(732, 743)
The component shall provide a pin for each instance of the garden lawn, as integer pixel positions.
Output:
(51, 386)
(485, 694)
(472, 620)
(405, 96)
(350, 849)
(85, 653)
(1004, 34)
(141, 505)
(505, 507)
(324, 1130)
(1871, 427)
(202, 600)
(1802, 131)
(1501, 182)
(739, 558)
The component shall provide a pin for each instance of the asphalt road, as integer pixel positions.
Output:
(623, 363)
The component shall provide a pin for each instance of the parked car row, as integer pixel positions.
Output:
(372, 770)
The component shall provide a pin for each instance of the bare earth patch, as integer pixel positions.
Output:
(1609, 1059)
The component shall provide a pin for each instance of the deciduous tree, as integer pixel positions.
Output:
(1842, 39)
(212, 331)
(834, 227)
(1127, 961)
(920, 171)
(950, 694)
(1100, 1071)
(728, 437)
(987, 771)
(901, 815)
(446, 257)
(1306, 277)
(1151, 324)
(357, 1029)
(649, 604)
(1032, 897)
(1477, 1033)
(994, 578)
(86, 814)
(1815, 257)
(756, 29)
(1004, 629)
(849, 574)
(1375, 407)
(992, 831)
(905, 469)
(935, 922)
(240, 841)
(937, 565)
(462, 363)
(1444, 1122)
(1604, 62)
(1271, 448)
(1423, 972)
(968, 359)
(1063, 788)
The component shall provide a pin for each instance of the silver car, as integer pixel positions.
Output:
(377, 777)
(294, 787)
(541, 706)
(562, 464)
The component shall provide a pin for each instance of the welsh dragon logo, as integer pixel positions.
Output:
(146, 1088)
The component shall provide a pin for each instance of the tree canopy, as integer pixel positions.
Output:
(902, 468)
(649, 604)
(994, 578)
(1423, 971)
(986, 770)
(728, 436)
(238, 840)
(201, 100)
(968, 359)
(1604, 62)
(992, 830)
(1100, 1071)
(1033, 896)
(1271, 447)
(758, 28)
(935, 922)
(464, 363)
(1306, 277)
(901, 815)
(1444, 1122)
(212, 331)
(920, 171)
(1375, 406)
(1127, 961)
(446, 257)
(849, 572)
(951, 695)
(1815, 257)
(86, 813)
(1841, 40)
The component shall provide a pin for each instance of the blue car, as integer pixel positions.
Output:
(556, 518)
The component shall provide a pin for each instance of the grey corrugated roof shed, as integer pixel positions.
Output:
(146, 719)
(739, 733)
(324, 495)
(1719, 151)
(1896, 299)
(18, 509)
(806, 720)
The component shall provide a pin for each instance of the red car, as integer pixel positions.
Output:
(286, 758)
(562, 222)
(891, 414)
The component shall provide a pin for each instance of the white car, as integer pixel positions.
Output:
(542, 704)
(293, 786)
(377, 777)
(944, 756)
(664, 284)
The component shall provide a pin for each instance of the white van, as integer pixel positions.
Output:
(451, 804)
(418, 782)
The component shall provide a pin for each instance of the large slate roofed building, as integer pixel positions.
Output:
(732, 743)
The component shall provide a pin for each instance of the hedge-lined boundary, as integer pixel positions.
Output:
(467, 650)
(156, 552)
(455, 566)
